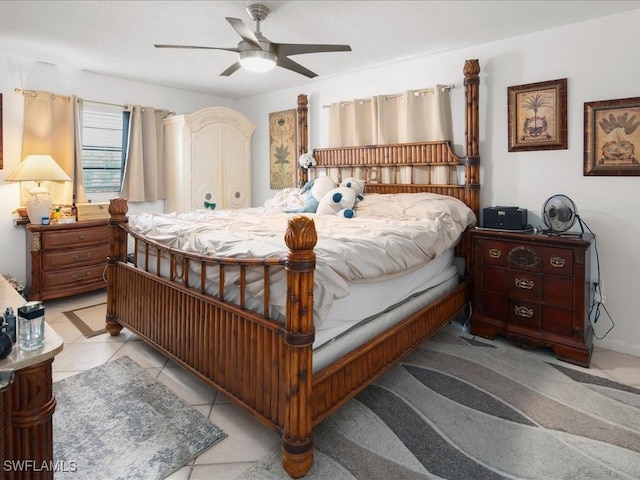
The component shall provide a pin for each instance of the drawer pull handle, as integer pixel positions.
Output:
(78, 278)
(523, 311)
(80, 259)
(81, 236)
(495, 253)
(557, 262)
(524, 283)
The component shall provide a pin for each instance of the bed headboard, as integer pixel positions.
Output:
(410, 167)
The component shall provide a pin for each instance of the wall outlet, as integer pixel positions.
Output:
(597, 293)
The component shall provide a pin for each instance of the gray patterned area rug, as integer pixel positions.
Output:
(116, 421)
(463, 408)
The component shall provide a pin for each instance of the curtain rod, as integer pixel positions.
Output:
(34, 93)
(105, 103)
(444, 88)
(127, 107)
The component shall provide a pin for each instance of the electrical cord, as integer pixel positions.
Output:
(465, 325)
(596, 305)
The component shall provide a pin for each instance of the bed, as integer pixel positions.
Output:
(224, 318)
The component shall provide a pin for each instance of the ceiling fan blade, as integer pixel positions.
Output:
(196, 47)
(246, 34)
(300, 48)
(230, 70)
(289, 64)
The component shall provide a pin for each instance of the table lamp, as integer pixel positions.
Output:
(38, 168)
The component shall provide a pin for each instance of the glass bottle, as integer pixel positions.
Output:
(31, 326)
(10, 318)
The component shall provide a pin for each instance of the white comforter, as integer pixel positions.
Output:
(389, 235)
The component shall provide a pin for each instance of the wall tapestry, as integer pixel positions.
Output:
(282, 149)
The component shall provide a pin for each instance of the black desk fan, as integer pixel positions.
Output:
(559, 214)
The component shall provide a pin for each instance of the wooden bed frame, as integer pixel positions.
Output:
(261, 364)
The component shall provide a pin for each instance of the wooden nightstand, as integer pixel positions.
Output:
(534, 289)
(66, 259)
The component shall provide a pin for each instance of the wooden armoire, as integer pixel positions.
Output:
(208, 160)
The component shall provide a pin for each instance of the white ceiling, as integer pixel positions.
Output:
(116, 37)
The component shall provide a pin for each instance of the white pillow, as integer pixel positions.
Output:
(285, 199)
(414, 205)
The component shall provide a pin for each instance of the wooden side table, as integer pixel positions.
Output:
(66, 259)
(27, 404)
(534, 289)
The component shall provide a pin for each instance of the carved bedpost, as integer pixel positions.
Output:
(117, 252)
(297, 434)
(472, 152)
(303, 138)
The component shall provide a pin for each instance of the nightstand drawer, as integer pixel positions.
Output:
(526, 314)
(75, 237)
(495, 253)
(557, 261)
(495, 279)
(525, 285)
(73, 276)
(557, 320)
(76, 257)
(495, 305)
(558, 291)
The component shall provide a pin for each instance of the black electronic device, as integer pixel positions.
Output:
(505, 218)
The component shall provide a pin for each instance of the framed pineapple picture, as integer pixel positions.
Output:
(611, 135)
(283, 160)
(538, 116)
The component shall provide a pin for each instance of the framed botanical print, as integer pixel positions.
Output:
(538, 116)
(611, 135)
(283, 149)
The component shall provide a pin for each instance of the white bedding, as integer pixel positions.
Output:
(390, 235)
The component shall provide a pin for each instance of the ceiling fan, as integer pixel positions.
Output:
(259, 54)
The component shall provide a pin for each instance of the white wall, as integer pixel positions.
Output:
(599, 60)
(28, 74)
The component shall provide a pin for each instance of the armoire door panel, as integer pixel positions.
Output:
(208, 159)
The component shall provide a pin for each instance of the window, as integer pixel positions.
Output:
(102, 147)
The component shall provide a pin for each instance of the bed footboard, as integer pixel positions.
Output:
(262, 365)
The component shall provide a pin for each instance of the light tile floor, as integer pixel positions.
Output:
(248, 440)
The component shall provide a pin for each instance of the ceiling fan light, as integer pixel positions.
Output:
(259, 61)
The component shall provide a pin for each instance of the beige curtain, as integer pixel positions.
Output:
(341, 119)
(50, 128)
(387, 124)
(425, 115)
(364, 122)
(413, 116)
(352, 123)
(144, 175)
(79, 193)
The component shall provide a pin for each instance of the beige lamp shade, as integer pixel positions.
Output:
(38, 168)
